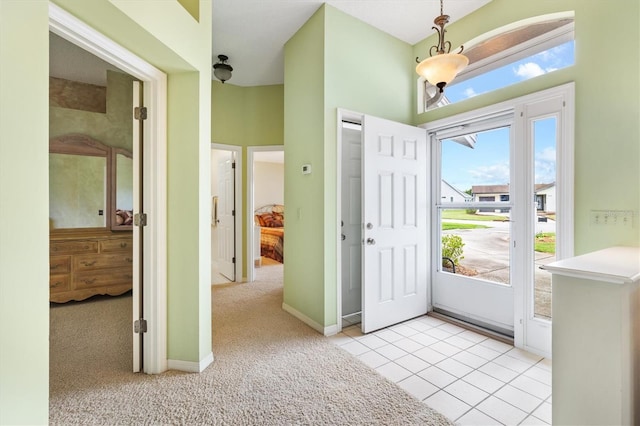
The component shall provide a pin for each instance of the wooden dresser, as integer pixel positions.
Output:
(83, 264)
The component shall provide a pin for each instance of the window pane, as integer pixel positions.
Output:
(544, 139)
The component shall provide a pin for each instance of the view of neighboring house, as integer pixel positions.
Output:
(545, 195)
(451, 194)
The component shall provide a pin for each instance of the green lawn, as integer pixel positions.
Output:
(545, 242)
(463, 215)
(451, 225)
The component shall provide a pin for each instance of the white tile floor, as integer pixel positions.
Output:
(470, 378)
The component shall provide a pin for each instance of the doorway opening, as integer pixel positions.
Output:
(266, 209)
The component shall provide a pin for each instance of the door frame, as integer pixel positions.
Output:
(251, 150)
(154, 285)
(237, 150)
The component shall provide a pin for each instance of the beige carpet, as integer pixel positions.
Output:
(270, 369)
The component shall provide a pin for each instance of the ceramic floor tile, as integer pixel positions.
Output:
(390, 351)
(438, 333)
(393, 372)
(445, 348)
(503, 412)
(424, 339)
(472, 336)
(353, 331)
(532, 386)
(373, 359)
(372, 341)
(496, 345)
(543, 412)
(408, 345)
(388, 335)
(355, 348)
(484, 352)
(470, 359)
(437, 376)
(431, 321)
(454, 367)
(524, 356)
(539, 374)
(452, 329)
(459, 342)
(545, 364)
(518, 398)
(429, 355)
(483, 381)
(404, 330)
(533, 421)
(466, 392)
(412, 363)
(447, 404)
(512, 363)
(498, 372)
(340, 339)
(477, 418)
(418, 387)
(418, 325)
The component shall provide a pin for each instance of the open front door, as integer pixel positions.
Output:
(395, 258)
(226, 217)
(139, 325)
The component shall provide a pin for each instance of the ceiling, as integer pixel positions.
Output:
(252, 33)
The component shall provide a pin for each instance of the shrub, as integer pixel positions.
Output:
(471, 211)
(452, 248)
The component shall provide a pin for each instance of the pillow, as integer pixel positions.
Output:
(269, 220)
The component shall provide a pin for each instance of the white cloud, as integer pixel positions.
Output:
(545, 165)
(469, 92)
(496, 174)
(529, 70)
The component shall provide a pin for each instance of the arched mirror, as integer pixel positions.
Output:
(79, 183)
(122, 195)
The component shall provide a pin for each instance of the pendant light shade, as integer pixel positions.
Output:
(221, 69)
(442, 66)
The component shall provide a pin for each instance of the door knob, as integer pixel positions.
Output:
(369, 225)
(344, 237)
(371, 241)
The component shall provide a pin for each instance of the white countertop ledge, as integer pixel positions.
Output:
(616, 265)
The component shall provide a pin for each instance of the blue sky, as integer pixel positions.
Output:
(488, 162)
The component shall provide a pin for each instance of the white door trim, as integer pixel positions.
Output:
(251, 150)
(155, 175)
(237, 150)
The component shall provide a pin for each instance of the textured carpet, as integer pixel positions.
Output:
(269, 369)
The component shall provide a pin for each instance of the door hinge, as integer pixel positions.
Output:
(233, 165)
(140, 326)
(233, 212)
(233, 260)
(140, 219)
(140, 113)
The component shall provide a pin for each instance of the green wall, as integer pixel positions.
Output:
(247, 116)
(607, 122)
(334, 61)
(167, 36)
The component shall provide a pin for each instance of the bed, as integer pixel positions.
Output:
(270, 219)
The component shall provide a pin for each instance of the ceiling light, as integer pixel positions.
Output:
(442, 68)
(221, 69)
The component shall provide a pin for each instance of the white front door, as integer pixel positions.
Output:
(226, 217)
(394, 215)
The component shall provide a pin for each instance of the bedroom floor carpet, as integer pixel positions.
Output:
(269, 369)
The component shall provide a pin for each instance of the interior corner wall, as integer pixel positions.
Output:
(247, 116)
(607, 129)
(304, 110)
(24, 207)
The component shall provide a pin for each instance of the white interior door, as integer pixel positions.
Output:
(137, 230)
(226, 218)
(395, 213)
(351, 221)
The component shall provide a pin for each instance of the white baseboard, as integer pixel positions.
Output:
(326, 331)
(189, 366)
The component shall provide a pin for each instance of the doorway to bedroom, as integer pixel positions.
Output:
(266, 216)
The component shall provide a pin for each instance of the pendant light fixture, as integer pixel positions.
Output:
(221, 69)
(440, 69)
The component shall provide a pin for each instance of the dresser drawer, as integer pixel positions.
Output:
(58, 283)
(92, 262)
(71, 247)
(59, 264)
(104, 277)
(119, 244)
